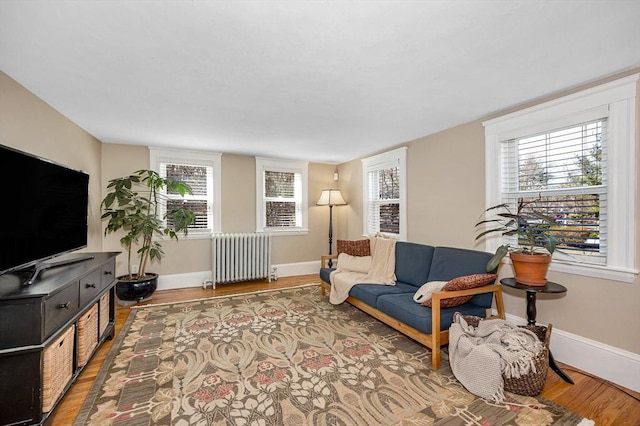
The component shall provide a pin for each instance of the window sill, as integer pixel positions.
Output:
(284, 232)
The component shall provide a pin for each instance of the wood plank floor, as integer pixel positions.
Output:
(591, 397)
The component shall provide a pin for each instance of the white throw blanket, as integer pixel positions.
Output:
(479, 357)
(383, 263)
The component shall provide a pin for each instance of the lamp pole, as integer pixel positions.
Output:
(330, 232)
(331, 197)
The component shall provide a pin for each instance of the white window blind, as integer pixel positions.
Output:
(585, 173)
(282, 199)
(281, 196)
(563, 174)
(384, 181)
(200, 179)
(384, 201)
(202, 172)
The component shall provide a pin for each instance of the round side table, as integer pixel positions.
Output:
(532, 291)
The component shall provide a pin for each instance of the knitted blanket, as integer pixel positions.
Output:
(479, 357)
(383, 263)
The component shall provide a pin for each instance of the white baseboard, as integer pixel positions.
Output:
(190, 279)
(602, 360)
(607, 362)
(195, 279)
(300, 268)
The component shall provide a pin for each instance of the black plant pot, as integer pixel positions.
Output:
(136, 290)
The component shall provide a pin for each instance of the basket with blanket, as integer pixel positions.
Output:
(520, 353)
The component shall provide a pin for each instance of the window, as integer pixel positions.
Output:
(384, 193)
(281, 188)
(564, 159)
(202, 172)
(562, 174)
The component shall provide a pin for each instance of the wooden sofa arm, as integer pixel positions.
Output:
(437, 297)
(325, 258)
(469, 292)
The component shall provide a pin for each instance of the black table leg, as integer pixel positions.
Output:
(531, 320)
(531, 308)
(559, 372)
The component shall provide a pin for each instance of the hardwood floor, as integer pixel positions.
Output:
(593, 398)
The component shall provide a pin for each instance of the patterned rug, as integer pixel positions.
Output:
(284, 357)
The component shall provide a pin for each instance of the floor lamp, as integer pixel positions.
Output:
(331, 197)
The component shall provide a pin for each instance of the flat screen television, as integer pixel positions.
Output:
(43, 210)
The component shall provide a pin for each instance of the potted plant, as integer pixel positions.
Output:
(531, 257)
(133, 205)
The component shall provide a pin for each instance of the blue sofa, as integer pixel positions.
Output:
(415, 265)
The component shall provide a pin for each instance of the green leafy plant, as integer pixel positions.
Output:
(133, 205)
(531, 227)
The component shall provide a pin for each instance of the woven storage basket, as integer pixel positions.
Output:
(532, 383)
(87, 335)
(104, 312)
(57, 368)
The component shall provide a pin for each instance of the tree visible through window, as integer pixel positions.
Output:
(385, 201)
(562, 174)
(281, 196)
(574, 156)
(384, 178)
(201, 171)
(198, 202)
(280, 199)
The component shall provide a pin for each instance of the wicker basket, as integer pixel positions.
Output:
(532, 383)
(57, 368)
(104, 312)
(87, 335)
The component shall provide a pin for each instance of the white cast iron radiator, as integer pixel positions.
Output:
(241, 257)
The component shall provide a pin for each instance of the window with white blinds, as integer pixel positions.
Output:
(201, 171)
(562, 174)
(200, 179)
(281, 188)
(574, 159)
(282, 199)
(384, 183)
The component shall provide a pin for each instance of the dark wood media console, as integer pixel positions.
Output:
(49, 330)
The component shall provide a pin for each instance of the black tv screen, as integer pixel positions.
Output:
(43, 212)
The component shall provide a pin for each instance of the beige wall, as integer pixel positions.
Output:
(445, 196)
(238, 212)
(29, 124)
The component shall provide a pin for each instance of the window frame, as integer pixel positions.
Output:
(288, 166)
(393, 158)
(615, 100)
(195, 158)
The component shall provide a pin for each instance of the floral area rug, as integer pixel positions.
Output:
(284, 357)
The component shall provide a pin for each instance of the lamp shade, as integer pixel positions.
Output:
(331, 197)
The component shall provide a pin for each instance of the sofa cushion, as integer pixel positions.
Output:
(369, 293)
(449, 263)
(413, 262)
(462, 283)
(402, 308)
(324, 274)
(354, 247)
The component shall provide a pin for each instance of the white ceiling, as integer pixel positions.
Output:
(325, 81)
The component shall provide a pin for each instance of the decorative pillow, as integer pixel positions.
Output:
(354, 263)
(463, 283)
(354, 248)
(427, 290)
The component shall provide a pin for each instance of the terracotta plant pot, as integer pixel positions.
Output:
(530, 269)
